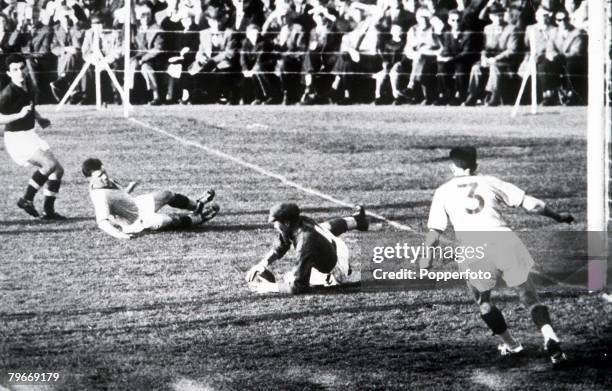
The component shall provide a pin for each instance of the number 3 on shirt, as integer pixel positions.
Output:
(472, 195)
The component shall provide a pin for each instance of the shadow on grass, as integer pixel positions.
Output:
(34, 221)
(420, 360)
(232, 228)
(39, 231)
(222, 322)
(123, 308)
(334, 211)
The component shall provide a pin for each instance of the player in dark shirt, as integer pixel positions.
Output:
(18, 115)
(322, 257)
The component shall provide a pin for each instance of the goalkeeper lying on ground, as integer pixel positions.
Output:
(322, 257)
(122, 216)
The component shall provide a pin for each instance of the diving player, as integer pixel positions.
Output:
(322, 257)
(472, 204)
(122, 216)
(18, 115)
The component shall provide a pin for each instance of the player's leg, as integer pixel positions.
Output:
(160, 221)
(298, 279)
(180, 201)
(541, 317)
(357, 221)
(52, 188)
(494, 319)
(46, 164)
(341, 272)
(184, 220)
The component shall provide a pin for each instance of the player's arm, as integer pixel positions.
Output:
(264, 286)
(298, 283)
(537, 206)
(131, 186)
(437, 223)
(8, 118)
(431, 240)
(112, 230)
(262, 265)
(278, 250)
(103, 216)
(256, 282)
(43, 122)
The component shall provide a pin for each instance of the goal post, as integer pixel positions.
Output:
(127, 22)
(597, 138)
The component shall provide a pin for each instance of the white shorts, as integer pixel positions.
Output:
(148, 218)
(505, 255)
(22, 145)
(340, 272)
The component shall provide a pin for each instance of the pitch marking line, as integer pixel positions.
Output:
(268, 173)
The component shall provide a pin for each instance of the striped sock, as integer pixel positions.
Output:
(53, 186)
(186, 220)
(36, 182)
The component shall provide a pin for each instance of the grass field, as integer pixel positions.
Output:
(170, 310)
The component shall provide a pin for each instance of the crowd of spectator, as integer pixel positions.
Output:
(442, 52)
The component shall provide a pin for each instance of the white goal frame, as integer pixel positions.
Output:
(597, 151)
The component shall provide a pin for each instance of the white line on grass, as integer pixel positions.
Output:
(271, 174)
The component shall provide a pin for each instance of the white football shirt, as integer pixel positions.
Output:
(473, 203)
(114, 205)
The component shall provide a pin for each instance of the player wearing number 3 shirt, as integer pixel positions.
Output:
(472, 204)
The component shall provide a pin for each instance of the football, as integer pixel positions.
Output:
(266, 275)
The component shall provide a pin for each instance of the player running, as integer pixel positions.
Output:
(473, 203)
(122, 216)
(18, 115)
(322, 257)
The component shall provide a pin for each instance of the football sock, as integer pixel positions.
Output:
(509, 339)
(495, 320)
(186, 221)
(338, 226)
(180, 201)
(549, 333)
(36, 182)
(540, 316)
(53, 186)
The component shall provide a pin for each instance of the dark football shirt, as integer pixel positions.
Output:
(312, 249)
(12, 99)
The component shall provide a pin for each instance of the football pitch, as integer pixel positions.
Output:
(171, 310)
